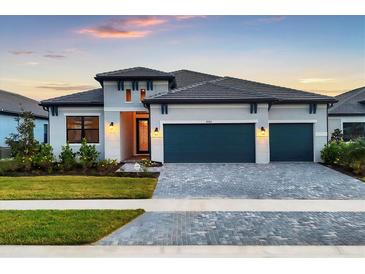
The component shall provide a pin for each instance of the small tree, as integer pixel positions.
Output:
(88, 154)
(23, 144)
(337, 136)
(67, 157)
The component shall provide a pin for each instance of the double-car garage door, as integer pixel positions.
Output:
(235, 143)
(209, 143)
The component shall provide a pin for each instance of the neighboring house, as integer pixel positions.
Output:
(187, 116)
(348, 114)
(11, 105)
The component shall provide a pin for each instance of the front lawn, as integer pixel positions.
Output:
(60, 227)
(75, 187)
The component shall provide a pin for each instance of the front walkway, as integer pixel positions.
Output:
(242, 228)
(255, 181)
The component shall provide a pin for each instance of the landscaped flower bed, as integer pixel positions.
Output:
(348, 157)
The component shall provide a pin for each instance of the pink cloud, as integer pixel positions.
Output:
(112, 32)
(21, 52)
(134, 27)
(55, 56)
(188, 17)
(139, 21)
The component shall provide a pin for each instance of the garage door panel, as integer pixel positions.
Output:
(215, 143)
(291, 142)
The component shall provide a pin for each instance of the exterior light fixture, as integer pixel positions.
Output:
(111, 124)
(156, 132)
(263, 130)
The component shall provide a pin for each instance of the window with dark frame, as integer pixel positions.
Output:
(128, 95)
(79, 127)
(352, 131)
(143, 94)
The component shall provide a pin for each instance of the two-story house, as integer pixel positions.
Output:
(187, 116)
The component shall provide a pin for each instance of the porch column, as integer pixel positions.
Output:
(112, 135)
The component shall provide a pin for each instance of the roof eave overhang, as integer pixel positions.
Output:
(206, 101)
(13, 113)
(346, 114)
(60, 104)
(100, 79)
(310, 101)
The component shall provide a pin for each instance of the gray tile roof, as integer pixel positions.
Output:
(191, 86)
(349, 103)
(210, 91)
(134, 73)
(185, 77)
(12, 103)
(282, 94)
(229, 89)
(93, 97)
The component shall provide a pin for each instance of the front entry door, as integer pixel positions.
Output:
(142, 135)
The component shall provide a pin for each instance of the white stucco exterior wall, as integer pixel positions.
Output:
(240, 113)
(209, 113)
(57, 127)
(335, 122)
(300, 114)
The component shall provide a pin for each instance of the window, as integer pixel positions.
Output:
(79, 127)
(353, 131)
(128, 95)
(45, 133)
(143, 94)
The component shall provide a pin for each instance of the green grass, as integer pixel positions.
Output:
(60, 227)
(75, 187)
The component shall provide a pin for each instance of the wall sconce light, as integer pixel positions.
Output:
(156, 132)
(263, 130)
(111, 125)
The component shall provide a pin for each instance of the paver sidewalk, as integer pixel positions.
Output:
(242, 228)
(158, 205)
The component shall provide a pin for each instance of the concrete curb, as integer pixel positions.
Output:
(183, 251)
(191, 205)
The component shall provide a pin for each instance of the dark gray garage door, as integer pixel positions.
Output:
(291, 142)
(209, 143)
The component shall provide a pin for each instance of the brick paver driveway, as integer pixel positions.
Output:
(255, 181)
(242, 228)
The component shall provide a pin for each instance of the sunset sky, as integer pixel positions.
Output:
(49, 56)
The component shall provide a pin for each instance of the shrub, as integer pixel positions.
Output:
(43, 159)
(67, 158)
(356, 156)
(23, 144)
(337, 136)
(8, 166)
(332, 153)
(107, 165)
(88, 154)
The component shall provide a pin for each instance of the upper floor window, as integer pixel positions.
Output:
(128, 95)
(79, 127)
(143, 94)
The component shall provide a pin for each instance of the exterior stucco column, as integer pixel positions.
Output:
(112, 135)
(262, 138)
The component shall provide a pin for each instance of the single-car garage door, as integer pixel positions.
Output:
(209, 143)
(291, 142)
